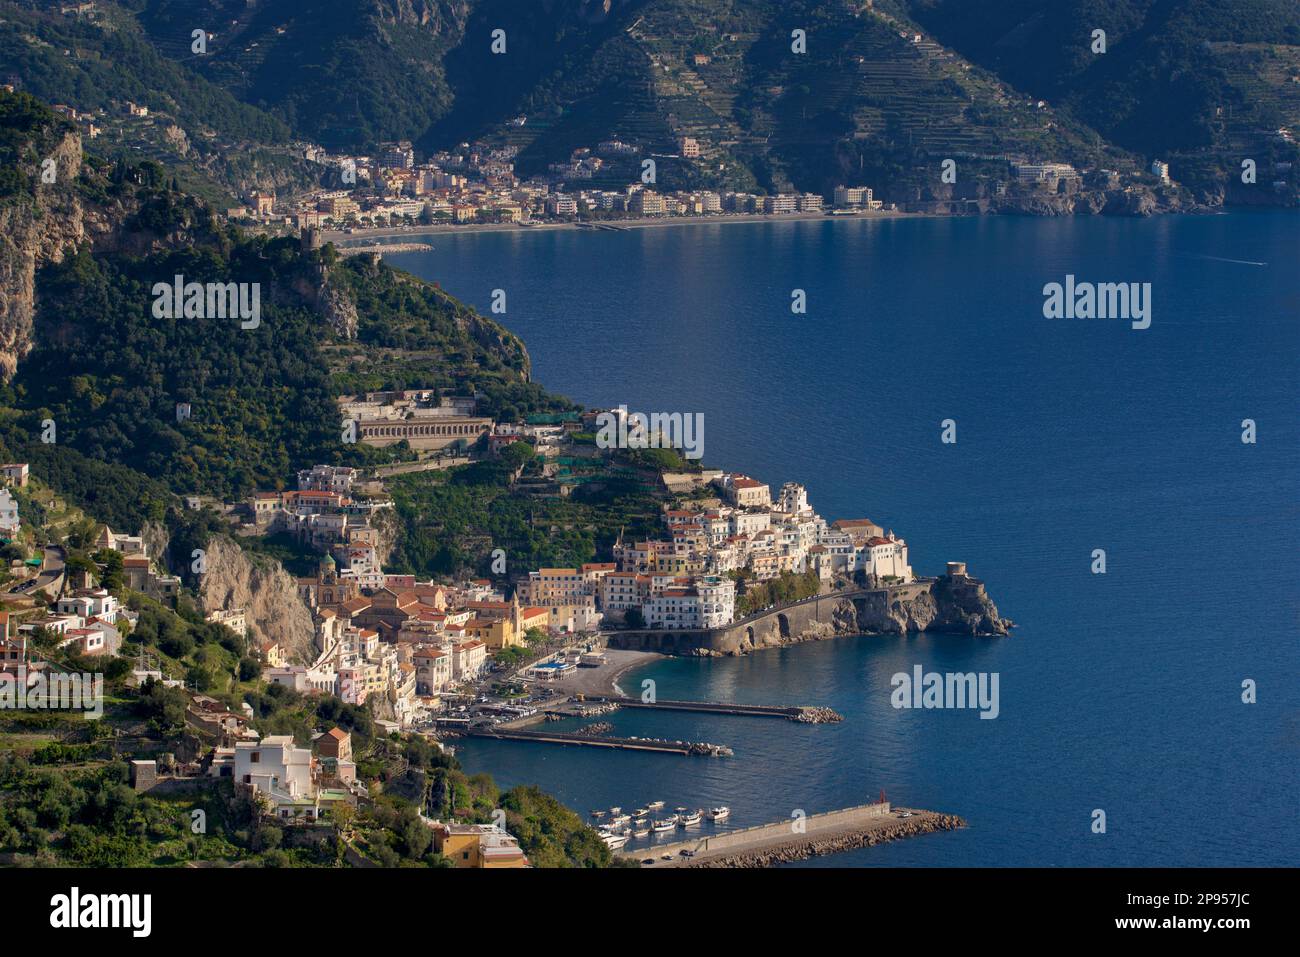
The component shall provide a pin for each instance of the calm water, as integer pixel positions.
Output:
(1119, 691)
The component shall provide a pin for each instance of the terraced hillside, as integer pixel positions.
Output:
(1201, 83)
(100, 60)
(883, 91)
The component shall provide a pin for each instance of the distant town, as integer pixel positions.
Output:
(476, 184)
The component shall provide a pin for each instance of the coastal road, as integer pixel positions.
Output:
(50, 580)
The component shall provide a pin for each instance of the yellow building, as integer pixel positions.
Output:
(530, 618)
(496, 634)
(478, 845)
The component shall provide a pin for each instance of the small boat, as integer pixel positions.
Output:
(620, 821)
(614, 841)
(665, 824)
(641, 829)
(689, 820)
(655, 805)
(719, 813)
(597, 814)
(641, 812)
(615, 811)
(680, 810)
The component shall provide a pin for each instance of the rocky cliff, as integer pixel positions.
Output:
(946, 605)
(36, 228)
(267, 593)
(954, 605)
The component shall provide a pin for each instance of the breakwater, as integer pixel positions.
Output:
(805, 715)
(693, 748)
(798, 839)
(956, 604)
(816, 846)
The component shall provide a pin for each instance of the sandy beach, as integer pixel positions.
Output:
(598, 682)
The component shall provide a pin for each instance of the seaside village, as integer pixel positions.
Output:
(413, 650)
(476, 183)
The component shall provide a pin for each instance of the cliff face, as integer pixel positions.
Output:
(953, 605)
(34, 231)
(958, 606)
(267, 593)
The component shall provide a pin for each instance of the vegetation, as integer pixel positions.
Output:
(452, 521)
(1176, 80)
(786, 587)
(109, 371)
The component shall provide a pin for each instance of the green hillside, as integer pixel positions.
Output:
(100, 61)
(1201, 83)
(883, 90)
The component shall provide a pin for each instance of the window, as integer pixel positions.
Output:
(256, 757)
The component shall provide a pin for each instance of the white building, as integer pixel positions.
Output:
(89, 603)
(10, 525)
(279, 770)
(706, 603)
(887, 557)
(468, 659)
(327, 478)
(794, 499)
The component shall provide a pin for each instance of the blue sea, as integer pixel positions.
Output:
(1119, 692)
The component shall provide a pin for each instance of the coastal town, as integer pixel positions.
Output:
(476, 185)
(435, 658)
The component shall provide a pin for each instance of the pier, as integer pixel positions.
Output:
(806, 715)
(798, 839)
(693, 748)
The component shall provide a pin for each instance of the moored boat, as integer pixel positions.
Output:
(655, 805)
(689, 819)
(614, 841)
(665, 824)
(719, 813)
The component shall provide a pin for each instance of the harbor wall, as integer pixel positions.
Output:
(783, 830)
(952, 603)
(777, 843)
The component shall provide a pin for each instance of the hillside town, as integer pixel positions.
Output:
(408, 646)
